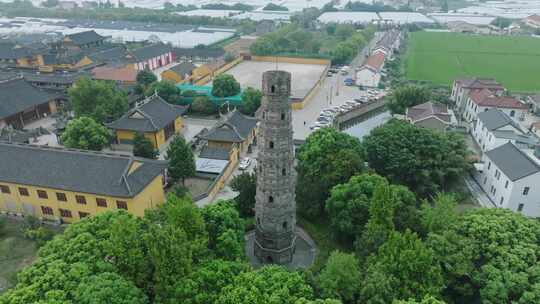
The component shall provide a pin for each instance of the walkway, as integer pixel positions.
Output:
(479, 194)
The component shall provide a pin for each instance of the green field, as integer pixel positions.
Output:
(442, 57)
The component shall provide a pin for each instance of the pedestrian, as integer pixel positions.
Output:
(304, 122)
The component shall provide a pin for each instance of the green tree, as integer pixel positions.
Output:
(181, 160)
(440, 215)
(108, 288)
(318, 301)
(403, 268)
(146, 78)
(327, 158)
(263, 46)
(426, 161)
(490, 256)
(224, 85)
(143, 147)
(166, 90)
(501, 22)
(251, 101)
(202, 104)
(225, 229)
(229, 57)
(269, 284)
(99, 100)
(204, 285)
(246, 186)
(343, 53)
(340, 278)
(84, 133)
(348, 205)
(407, 96)
(425, 300)
(380, 225)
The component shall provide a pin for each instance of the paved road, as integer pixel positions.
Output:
(331, 93)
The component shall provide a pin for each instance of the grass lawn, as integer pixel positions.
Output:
(319, 230)
(16, 252)
(443, 57)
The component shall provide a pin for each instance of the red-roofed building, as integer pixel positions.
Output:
(533, 21)
(481, 100)
(463, 87)
(120, 75)
(369, 75)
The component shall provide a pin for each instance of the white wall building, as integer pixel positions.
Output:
(511, 179)
(369, 75)
(462, 87)
(494, 129)
(483, 100)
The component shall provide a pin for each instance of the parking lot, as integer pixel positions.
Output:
(332, 93)
(303, 76)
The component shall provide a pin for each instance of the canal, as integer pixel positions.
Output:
(363, 128)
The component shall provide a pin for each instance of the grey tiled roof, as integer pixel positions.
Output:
(214, 153)
(183, 69)
(152, 116)
(17, 95)
(74, 170)
(83, 38)
(513, 162)
(235, 128)
(150, 51)
(206, 52)
(494, 119)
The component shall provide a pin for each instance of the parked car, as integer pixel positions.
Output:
(349, 82)
(244, 163)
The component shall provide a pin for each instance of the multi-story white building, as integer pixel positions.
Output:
(463, 87)
(483, 100)
(533, 21)
(511, 178)
(494, 128)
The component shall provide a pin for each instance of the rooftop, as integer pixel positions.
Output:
(486, 98)
(183, 69)
(58, 168)
(214, 153)
(480, 83)
(86, 37)
(18, 95)
(150, 51)
(513, 162)
(429, 109)
(494, 119)
(234, 127)
(153, 115)
(115, 74)
(375, 61)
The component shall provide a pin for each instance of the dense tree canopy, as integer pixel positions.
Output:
(267, 285)
(402, 268)
(181, 159)
(84, 133)
(100, 100)
(166, 90)
(225, 85)
(251, 101)
(426, 161)
(327, 158)
(407, 96)
(340, 278)
(246, 186)
(143, 147)
(146, 78)
(203, 105)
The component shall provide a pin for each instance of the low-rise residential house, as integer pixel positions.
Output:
(535, 128)
(369, 74)
(511, 177)
(389, 43)
(235, 132)
(179, 73)
(20, 56)
(430, 115)
(484, 99)
(199, 55)
(21, 103)
(463, 87)
(152, 57)
(494, 128)
(534, 103)
(49, 183)
(533, 21)
(154, 117)
(83, 40)
(123, 75)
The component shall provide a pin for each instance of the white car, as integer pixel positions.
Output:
(244, 164)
